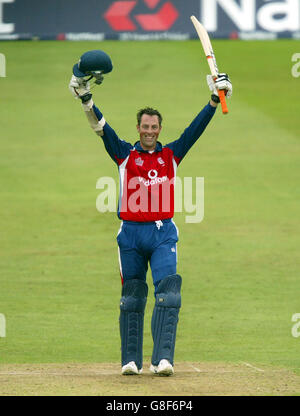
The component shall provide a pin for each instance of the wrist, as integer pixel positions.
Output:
(88, 105)
(85, 98)
(214, 101)
(215, 98)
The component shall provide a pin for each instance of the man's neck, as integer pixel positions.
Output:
(150, 150)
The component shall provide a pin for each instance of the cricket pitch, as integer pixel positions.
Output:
(105, 379)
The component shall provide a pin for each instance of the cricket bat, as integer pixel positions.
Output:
(210, 56)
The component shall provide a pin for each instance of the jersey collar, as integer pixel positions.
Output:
(139, 148)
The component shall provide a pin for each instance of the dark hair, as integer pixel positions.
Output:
(150, 112)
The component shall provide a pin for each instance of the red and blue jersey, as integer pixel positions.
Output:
(147, 178)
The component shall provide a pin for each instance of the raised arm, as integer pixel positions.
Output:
(117, 149)
(192, 133)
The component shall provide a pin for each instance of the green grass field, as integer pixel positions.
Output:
(60, 284)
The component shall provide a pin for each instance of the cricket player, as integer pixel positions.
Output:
(148, 234)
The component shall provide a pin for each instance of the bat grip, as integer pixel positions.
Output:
(223, 101)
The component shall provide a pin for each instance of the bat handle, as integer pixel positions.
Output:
(223, 101)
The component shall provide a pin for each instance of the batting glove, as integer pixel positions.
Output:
(80, 88)
(222, 82)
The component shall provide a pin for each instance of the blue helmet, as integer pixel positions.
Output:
(92, 61)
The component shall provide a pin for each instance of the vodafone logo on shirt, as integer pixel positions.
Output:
(153, 179)
(152, 174)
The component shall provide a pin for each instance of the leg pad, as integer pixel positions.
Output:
(165, 318)
(132, 307)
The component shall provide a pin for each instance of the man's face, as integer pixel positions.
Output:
(149, 130)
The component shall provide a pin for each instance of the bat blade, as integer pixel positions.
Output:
(210, 56)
